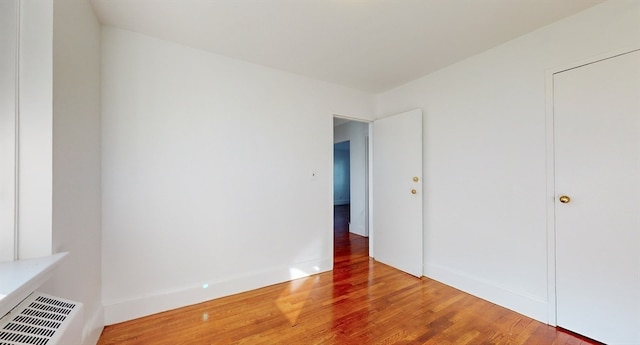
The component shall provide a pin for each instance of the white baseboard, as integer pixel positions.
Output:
(93, 327)
(357, 229)
(521, 302)
(116, 311)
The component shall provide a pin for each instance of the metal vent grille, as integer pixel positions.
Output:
(37, 323)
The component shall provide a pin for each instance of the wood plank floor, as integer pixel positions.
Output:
(360, 302)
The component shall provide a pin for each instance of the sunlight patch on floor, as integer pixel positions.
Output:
(292, 300)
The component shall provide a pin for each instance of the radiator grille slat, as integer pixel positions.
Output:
(49, 308)
(20, 328)
(44, 315)
(37, 322)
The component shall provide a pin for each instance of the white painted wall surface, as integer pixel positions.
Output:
(76, 160)
(35, 137)
(341, 175)
(207, 174)
(8, 85)
(355, 132)
(484, 155)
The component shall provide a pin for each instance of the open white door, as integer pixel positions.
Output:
(397, 191)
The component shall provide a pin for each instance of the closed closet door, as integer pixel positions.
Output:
(597, 199)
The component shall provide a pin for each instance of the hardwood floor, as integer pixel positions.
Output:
(360, 302)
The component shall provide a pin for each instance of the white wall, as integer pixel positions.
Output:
(356, 132)
(341, 175)
(208, 167)
(8, 85)
(484, 155)
(76, 159)
(35, 129)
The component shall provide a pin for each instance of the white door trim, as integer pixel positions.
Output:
(550, 171)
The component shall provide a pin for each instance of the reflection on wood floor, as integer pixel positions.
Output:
(359, 302)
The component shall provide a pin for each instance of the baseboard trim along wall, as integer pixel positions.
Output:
(93, 327)
(532, 306)
(357, 228)
(116, 311)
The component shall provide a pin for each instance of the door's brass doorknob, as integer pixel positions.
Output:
(565, 199)
(416, 179)
(413, 191)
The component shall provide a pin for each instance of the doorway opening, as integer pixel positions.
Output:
(351, 184)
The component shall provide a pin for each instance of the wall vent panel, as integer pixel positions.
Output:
(42, 320)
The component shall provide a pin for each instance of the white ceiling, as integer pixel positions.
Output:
(370, 45)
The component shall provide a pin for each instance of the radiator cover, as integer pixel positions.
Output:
(42, 320)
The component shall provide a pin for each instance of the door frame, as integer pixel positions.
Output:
(369, 175)
(550, 172)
